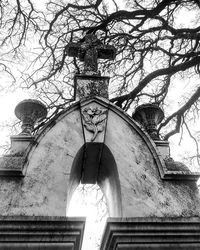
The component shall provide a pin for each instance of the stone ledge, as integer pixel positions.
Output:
(181, 175)
(151, 233)
(12, 165)
(21, 232)
(175, 170)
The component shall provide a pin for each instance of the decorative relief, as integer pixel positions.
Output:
(94, 120)
(92, 87)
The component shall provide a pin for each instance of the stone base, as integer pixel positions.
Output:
(163, 148)
(151, 233)
(12, 165)
(91, 85)
(19, 144)
(34, 233)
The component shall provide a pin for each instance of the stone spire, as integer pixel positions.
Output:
(90, 82)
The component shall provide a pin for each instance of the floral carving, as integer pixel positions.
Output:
(94, 120)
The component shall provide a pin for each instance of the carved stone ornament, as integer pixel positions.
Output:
(29, 112)
(89, 50)
(91, 86)
(94, 120)
(149, 115)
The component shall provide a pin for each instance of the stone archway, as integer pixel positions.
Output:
(94, 163)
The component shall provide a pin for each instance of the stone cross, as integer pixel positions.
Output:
(89, 51)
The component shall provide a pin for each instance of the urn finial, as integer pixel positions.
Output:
(30, 111)
(149, 116)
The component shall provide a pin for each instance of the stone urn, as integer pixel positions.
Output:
(30, 111)
(149, 116)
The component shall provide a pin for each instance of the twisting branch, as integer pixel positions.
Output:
(195, 141)
(165, 71)
(179, 114)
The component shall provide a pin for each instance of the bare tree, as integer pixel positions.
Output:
(155, 43)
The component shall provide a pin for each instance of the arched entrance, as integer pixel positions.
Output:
(94, 164)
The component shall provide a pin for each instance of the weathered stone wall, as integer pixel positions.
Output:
(143, 191)
(45, 189)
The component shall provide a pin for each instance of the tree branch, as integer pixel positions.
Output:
(170, 70)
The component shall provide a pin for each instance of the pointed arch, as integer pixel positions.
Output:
(95, 163)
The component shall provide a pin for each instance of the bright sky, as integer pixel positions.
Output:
(92, 205)
(8, 103)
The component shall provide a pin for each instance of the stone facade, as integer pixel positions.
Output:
(48, 162)
(129, 169)
(153, 201)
